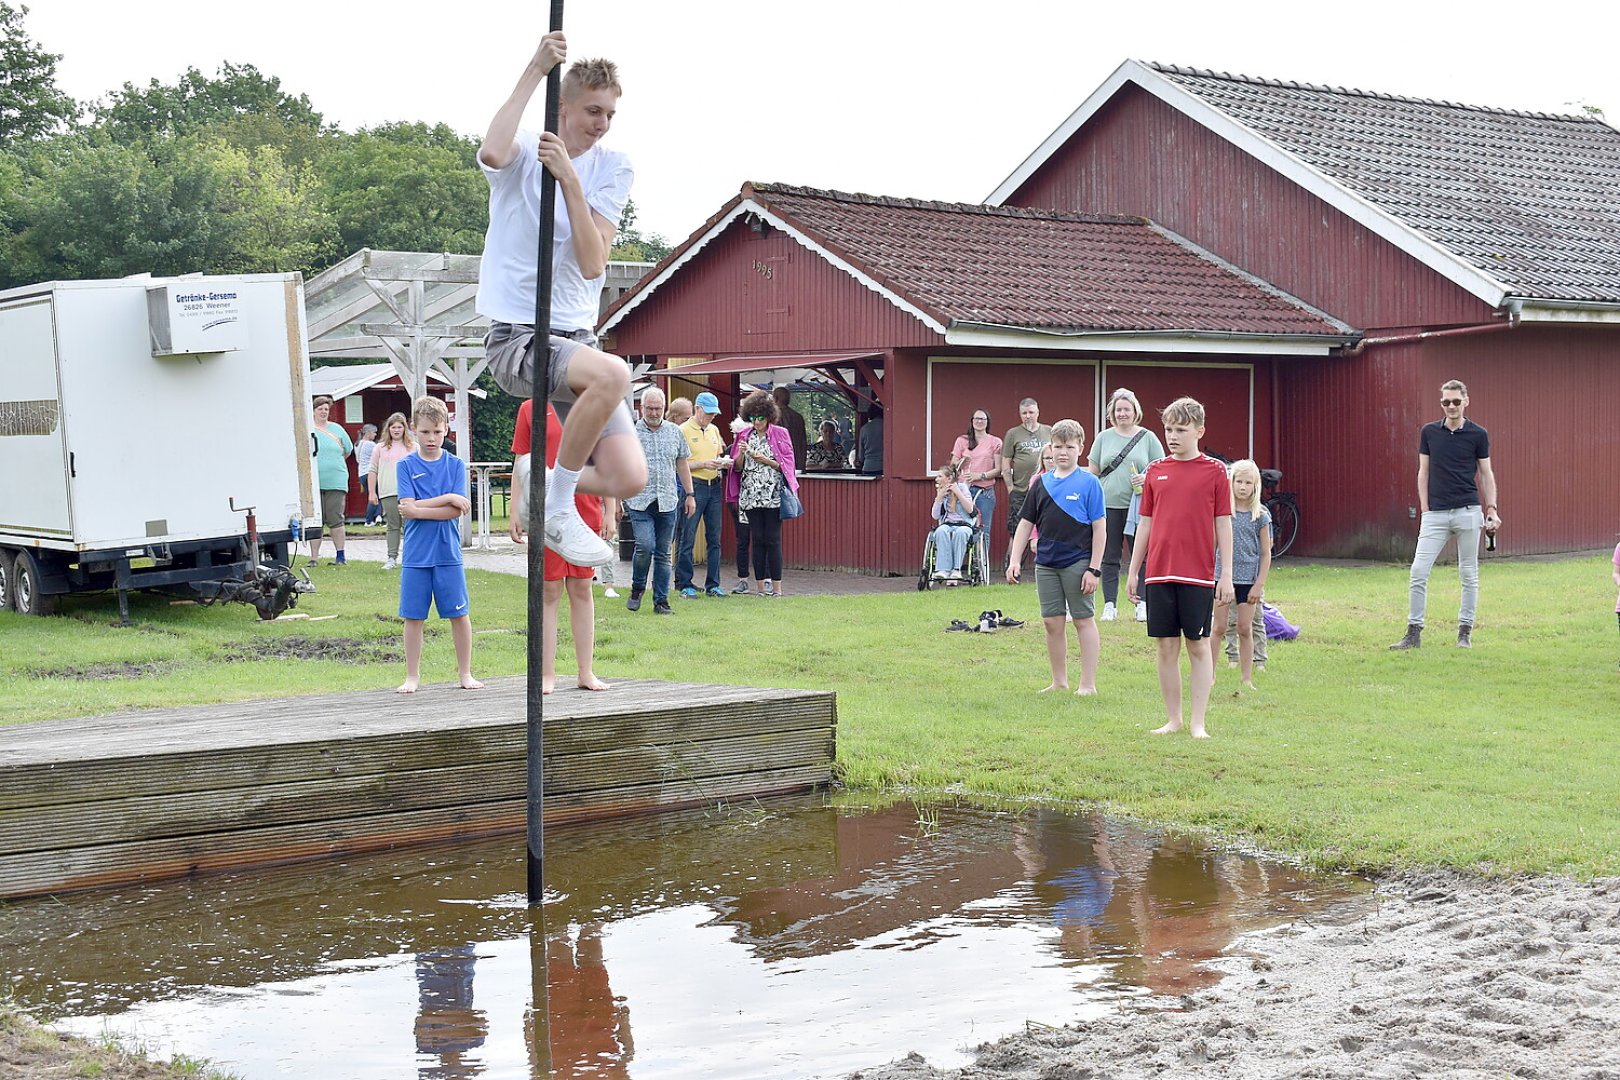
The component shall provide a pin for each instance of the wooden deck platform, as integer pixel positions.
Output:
(113, 800)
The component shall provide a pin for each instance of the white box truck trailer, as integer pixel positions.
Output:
(139, 418)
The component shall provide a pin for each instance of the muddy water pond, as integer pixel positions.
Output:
(783, 940)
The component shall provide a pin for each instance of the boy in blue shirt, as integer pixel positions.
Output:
(1066, 505)
(432, 497)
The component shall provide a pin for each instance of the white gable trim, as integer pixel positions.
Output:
(1565, 311)
(1437, 258)
(752, 206)
(1158, 342)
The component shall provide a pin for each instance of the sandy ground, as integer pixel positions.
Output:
(1449, 976)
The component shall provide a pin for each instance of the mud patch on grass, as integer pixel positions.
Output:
(299, 647)
(120, 669)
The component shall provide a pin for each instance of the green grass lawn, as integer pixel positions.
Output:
(1499, 758)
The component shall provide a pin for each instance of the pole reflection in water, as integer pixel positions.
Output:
(792, 940)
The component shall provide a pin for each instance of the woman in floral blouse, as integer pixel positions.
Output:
(763, 464)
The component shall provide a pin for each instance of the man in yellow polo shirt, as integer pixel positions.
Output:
(708, 447)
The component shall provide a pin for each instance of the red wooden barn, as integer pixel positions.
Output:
(1311, 263)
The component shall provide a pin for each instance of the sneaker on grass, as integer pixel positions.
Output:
(741, 588)
(578, 543)
(690, 593)
(1109, 611)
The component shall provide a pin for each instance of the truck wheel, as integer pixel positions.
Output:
(26, 594)
(5, 580)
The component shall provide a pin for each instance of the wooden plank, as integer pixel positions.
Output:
(704, 766)
(279, 721)
(671, 762)
(30, 777)
(139, 796)
(42, 872)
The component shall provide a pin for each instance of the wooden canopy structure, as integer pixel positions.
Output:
(413, 309)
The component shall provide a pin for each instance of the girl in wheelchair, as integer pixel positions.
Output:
(958, 516)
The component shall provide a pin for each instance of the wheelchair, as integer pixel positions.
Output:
(975, 563)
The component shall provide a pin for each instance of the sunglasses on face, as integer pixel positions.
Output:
(1449, 401)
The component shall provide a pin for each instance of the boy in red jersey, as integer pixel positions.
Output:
(1186, 513)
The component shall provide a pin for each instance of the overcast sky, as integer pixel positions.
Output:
(930, 99)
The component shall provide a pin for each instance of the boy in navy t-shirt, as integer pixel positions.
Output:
(432, 497)
(1066, 505)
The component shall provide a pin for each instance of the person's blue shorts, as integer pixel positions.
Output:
(445, 587)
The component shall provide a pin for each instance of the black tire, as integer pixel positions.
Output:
(25, 585)
(5, 580)
(1284, 524)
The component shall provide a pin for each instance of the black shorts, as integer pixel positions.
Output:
(1177, 610)
(1241, 593)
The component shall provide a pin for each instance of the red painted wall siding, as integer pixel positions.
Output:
(1066, 388)
(874, 526)
(724, 302)
(1350, 429)
(1139, 156)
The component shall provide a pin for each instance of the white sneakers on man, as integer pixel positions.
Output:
(1109, 611)
(1141, 611)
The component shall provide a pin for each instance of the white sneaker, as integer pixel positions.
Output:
(578, 543)
(954, 575)
(1141, 611)
(390, 564)
(611, 593)
(1109, 612)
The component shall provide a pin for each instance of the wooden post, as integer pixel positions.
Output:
(540, 397)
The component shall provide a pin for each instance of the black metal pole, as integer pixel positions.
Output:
(540, 397)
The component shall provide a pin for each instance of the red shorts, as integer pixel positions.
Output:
(557, 568)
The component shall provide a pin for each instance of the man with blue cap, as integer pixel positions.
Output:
(708, 462)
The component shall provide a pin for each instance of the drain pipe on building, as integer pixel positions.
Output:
(1361, 346)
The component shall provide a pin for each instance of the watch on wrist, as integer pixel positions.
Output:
(1093, 570)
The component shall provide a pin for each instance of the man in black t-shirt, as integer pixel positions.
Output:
(1452, 454)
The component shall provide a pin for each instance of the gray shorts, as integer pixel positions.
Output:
(1058, 588)
(509, 347)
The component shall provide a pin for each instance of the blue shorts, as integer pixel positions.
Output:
(443, 586)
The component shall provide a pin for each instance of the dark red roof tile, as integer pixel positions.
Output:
(1042, 270)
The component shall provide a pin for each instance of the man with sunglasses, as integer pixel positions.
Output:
(1453, 454)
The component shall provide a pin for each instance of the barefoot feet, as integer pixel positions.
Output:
(591, 682)
(407, 687)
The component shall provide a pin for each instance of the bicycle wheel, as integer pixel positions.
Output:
(1284, 522)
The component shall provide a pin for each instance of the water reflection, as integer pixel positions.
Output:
(795, 940)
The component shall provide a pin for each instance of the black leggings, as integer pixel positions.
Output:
(765, 535)
(740, 527)
(1111, 554)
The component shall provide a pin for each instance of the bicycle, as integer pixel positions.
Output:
(1284, 509)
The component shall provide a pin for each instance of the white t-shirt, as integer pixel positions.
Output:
(507, 277)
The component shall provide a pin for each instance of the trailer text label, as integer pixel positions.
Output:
(28, 417)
